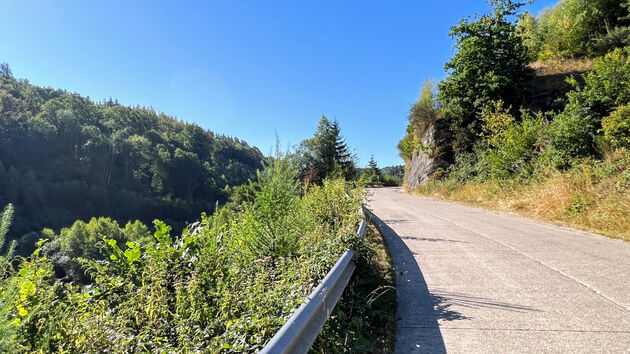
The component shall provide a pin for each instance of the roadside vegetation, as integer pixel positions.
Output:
(537, 121)
(364, 320)
(226, 284)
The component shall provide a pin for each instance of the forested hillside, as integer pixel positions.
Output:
(65, 157)
(99, 282)
(534, 115)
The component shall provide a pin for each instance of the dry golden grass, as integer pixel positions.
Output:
(564, 66)
(581, 198)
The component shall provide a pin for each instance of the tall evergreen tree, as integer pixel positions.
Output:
(372, 173)
(344, 159)
(325, 154)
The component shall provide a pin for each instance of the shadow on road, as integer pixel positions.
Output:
(418, 310)
(431, 239)
(396, 221)
(446, 299)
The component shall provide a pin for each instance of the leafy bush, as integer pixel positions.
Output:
(574, 131)
(512, 146)
(616, 127)
(465, 168)
(422, 116)
(575, 28)
(7, 294)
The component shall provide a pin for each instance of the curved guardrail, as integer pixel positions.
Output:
(301, 329)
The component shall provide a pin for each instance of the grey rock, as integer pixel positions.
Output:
(425, 163)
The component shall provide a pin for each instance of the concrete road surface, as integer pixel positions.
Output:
(475, 281)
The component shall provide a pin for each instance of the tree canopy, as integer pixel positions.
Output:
(490, 64)
(65, 157)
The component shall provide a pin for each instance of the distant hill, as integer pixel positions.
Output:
(64, 157)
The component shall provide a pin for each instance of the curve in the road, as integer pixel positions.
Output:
(470, 280)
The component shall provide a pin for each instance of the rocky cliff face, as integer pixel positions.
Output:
(425, 163)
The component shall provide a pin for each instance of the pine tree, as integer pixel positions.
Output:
(342, 156)
(372, 173)
(326, 154)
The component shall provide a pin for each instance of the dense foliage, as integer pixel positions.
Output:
(226, 284)
(490, 64)
(494, 136)
(616, 127)
(393, 175)
(576, 131)
(423, 116)
(388, 176)
(371, 174)
(576, 28)
(64, 157)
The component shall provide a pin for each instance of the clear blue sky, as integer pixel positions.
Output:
(244, 68)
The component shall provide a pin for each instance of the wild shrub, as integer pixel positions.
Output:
(575, 28)
(5, 222)
(8, 293)
(271, 225)
(422, 116)
(330, 205)
(512, 146)
(616, 126)
(574, 132)
(465, 168)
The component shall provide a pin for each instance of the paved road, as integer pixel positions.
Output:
(471, 280)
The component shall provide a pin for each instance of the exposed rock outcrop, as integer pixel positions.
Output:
(430, 159)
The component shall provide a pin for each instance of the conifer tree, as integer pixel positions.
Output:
(326, 154)
(372, 173)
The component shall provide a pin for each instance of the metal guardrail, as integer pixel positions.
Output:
(301, 329)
